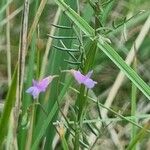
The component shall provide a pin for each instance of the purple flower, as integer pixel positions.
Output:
(39, 86)
(84, 79)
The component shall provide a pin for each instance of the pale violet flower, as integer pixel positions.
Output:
(84, 79)
(39, 86)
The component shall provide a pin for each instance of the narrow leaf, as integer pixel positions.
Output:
(10, 100)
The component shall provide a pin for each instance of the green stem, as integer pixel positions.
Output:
(30, 131)
(82, 103)
(77, 136)
(78, 123)
(133, 105)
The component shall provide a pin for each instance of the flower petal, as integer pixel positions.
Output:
(89, 83)
(35, 93)
(42, 85)
(39, 86)
(34, 82)
(79, 77)
(89, 74)
(33, 90)
(30, 90)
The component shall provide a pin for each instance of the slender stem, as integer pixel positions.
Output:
(30, 131)
(21, 64)
(79, 104)
(8, 48)
(133, 105)
(36, 20)
(82, 99)
(77, 136)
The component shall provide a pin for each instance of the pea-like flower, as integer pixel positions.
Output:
(84, 79)
(39, 86)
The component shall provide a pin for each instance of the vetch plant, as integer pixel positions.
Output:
(71, 116)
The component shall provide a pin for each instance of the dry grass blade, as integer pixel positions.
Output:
(36, 20)
(21, 63)
(49, 42)
(11, 16)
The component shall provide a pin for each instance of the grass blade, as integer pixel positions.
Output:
(10, 100)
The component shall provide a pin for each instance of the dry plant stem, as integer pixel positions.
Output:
(11, 16)
(8, 48)
(49, 42)
(143, 109)
(119, 80)
(36, 20)
(21, 64)
(115, 137)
